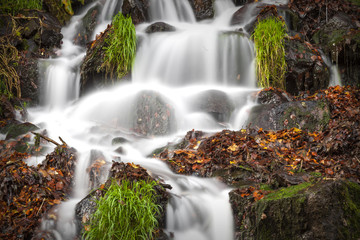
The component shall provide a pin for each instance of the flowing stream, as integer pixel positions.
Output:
(198, 57)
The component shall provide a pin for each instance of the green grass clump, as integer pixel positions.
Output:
(14, 6)
(121, 49)
(271, 67)
(127, 211)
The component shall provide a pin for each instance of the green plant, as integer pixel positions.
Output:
(271, 66)
(121, 47)
(14, 6)
(127, 211)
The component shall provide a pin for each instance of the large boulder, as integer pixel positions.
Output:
(203, 9)
(305, 115)
(324, 210)
(153, 115)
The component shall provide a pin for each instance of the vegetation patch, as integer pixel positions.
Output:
(271, 67)
(120, 47)
(287, 192)
(14, 6)
(9, 79)
(127, 211)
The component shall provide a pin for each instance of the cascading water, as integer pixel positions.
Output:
(197, 58)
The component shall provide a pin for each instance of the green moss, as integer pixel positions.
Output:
(14, 6)
(121, 47)
(351, 208)
(271, 66)
(286, 192)
(355, 2)
(127, 211)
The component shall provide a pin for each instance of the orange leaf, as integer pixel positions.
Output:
(329, 171)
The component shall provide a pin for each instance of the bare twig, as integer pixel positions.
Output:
(48, 139)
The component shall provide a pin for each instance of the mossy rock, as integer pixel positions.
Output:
(56, 8)
(324, 210)
(305, 115)
(15, 130)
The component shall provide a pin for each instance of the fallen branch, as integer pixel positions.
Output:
(49, 139)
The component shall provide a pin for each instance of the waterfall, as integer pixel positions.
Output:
(182, 69)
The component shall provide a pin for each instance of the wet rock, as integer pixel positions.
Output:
(214, 102)
(340, 39)
(203, 9)
(306, 115)
(29, 79)
(97, 169)
(247, 16)
(137, 9)
(87, 26)
(307, 70)
(77, 5)
(241, 2)
(92, 76)
(160, 27)
(153, 115)
(324, 210)
(118, 140)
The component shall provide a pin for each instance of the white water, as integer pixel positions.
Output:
(178, 66)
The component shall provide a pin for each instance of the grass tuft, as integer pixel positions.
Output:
(271, 66)
(120, 53)
(127, 211)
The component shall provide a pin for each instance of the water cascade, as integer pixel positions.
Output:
(180, 67)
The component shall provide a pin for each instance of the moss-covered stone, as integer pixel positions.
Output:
(323, 210)
(305, 115)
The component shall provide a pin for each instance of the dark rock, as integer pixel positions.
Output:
(77, 6)
(118, 140)
(160, 27)
(273, 96)
(88, 26)
(241, 2)
(306, 115)
(246, 16)
(137, 9)
(214, 102)
(29, 79)
(153, 115)
(203, 9)
(324, 210)
(6, 109)
(340, 39)
(307, 70)
(92, 76)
